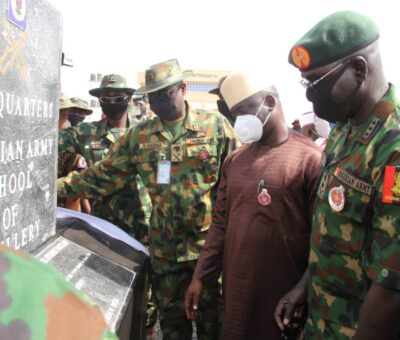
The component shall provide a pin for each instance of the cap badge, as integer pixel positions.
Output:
(301, 57)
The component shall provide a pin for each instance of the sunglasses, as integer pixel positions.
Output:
(113, 100)
(163, 95)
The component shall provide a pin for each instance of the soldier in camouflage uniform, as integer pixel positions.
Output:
(38, 303)
(178, 154)
(353, 277)
(130, 208)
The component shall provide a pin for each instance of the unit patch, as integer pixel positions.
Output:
(176, 153)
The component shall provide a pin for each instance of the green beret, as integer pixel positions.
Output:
(335, 37)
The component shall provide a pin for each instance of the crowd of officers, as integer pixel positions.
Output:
(305, 243)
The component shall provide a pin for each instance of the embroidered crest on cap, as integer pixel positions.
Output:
(301, 57)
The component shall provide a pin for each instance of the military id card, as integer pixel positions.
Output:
(164, 172)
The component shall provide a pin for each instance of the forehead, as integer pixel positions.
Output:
(249, 103)
(78, 111)
(112, 93)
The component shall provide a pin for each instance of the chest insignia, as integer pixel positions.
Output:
(264, 198)
(336, 198)
(176, 153)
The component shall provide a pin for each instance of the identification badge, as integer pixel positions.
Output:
(264, 198)
(164, 172)
(336, 198)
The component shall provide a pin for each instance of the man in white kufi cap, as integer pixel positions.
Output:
(262, 216)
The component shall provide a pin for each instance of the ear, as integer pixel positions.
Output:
(270, 101)
(183, 88)
(360, 66)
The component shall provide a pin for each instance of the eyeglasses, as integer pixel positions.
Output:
(112, 100)
(161, 96)
(311, 84)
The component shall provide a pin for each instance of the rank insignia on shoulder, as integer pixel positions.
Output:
(391, 185)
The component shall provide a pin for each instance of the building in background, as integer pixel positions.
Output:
(198, 86)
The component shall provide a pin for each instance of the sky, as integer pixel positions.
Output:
(127, 36)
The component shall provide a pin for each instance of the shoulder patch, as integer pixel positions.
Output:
(391, 185)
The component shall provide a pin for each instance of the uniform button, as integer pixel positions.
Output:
(384, 272)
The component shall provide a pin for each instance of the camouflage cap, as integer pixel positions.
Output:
(162, 75)
(217, 89)
(81, 104)
(65, 102)
(112, 81)
(334, 37)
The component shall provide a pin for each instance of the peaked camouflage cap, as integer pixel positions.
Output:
(162, 75)
(217, 90)
(112, 81)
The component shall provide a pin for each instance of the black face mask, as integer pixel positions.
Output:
(324, 107)
(114, 110)
(223, 108)
(75, 119)
(165, 110)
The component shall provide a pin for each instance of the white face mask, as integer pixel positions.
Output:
(249, 128)
(322, 127)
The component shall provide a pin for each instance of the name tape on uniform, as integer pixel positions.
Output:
(204, 140)
(145, 146)
(350, 180)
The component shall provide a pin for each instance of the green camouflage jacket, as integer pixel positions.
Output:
(181, 212)
(38, 303)
(128, 209)
(356, 224)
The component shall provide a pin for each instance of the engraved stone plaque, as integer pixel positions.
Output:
(108, 284)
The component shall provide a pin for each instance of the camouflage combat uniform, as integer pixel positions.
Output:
(181, 212)
(354, 241)
(38, 303)
(92, 141)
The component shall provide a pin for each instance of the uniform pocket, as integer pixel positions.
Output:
(344, 226)
(204, 160)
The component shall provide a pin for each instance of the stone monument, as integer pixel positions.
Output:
(30, 61)
(30, 54)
